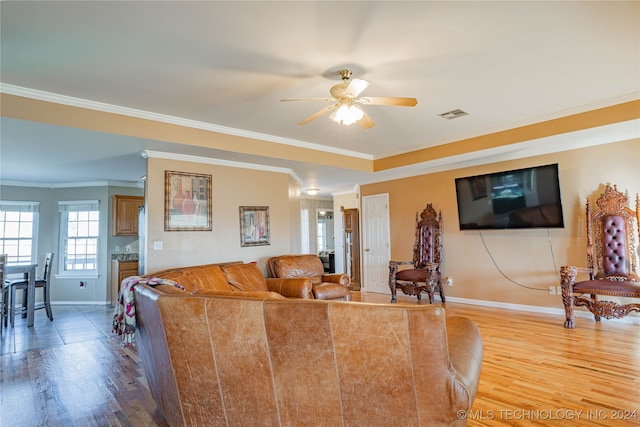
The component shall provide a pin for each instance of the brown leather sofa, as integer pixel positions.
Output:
(246, 360)
(231, 278)
(325, 286)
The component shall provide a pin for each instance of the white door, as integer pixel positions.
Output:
(375, 243)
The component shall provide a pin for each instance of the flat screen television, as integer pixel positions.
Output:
(522, 198)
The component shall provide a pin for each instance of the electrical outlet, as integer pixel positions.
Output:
(157, 245)
(559, 290)
(117, 249)
(552, 290)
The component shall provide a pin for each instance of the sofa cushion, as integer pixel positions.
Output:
(209, 278)
(199, 278)
(245, 277)
(332, 291)
(177, 276)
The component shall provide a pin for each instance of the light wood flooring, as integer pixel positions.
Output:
(73, 372)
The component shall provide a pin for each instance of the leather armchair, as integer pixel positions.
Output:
(324, 286)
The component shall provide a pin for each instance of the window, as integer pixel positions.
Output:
(322, 229)
(79, 230)
(304, 231)
(325, 230)
(18, 231)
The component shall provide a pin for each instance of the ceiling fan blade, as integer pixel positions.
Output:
(307, 99)
(388, 100)
(317, 114)
(365, 122)
(355, 88)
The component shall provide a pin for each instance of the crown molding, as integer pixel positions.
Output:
(607, 134)
(73, 184)
(354, 190)
(610, 102)
(148, 115)
(219, 162)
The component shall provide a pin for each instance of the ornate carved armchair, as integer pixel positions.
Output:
(612, 260)
(427, 256)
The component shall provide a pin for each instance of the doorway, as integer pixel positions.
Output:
(325, 239)
(375, 243)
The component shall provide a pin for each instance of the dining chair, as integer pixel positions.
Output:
(44, 283)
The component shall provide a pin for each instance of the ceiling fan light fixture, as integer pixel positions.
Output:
(346, 110)
(347, 114)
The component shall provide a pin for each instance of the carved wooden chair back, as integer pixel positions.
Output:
(427, 248)
(612, 228)
(425, 276)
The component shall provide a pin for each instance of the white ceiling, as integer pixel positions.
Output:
(228, 64)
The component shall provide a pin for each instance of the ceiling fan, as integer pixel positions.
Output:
(346, 96)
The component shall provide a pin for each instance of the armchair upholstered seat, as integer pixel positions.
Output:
(425, 275)
(612, 260)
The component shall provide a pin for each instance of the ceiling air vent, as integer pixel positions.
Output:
(453, 114)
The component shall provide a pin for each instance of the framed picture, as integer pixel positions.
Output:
(254, 226)
(187, 201)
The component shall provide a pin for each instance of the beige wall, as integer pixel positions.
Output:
(65, 289)
(294, 212)
(231, 188)
(530, 257)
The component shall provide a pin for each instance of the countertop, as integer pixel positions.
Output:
(129, 256)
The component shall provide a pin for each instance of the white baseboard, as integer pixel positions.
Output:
(578, 311)
(80, 302)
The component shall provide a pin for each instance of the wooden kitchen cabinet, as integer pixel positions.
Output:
(124, 220)
(120, 270)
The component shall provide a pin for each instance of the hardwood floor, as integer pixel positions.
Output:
(73, 372)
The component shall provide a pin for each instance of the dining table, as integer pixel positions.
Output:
(29, 270)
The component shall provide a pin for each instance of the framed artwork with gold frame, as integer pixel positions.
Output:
(187, 201)
(254, 226)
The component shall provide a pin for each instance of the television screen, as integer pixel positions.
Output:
(523, 198)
